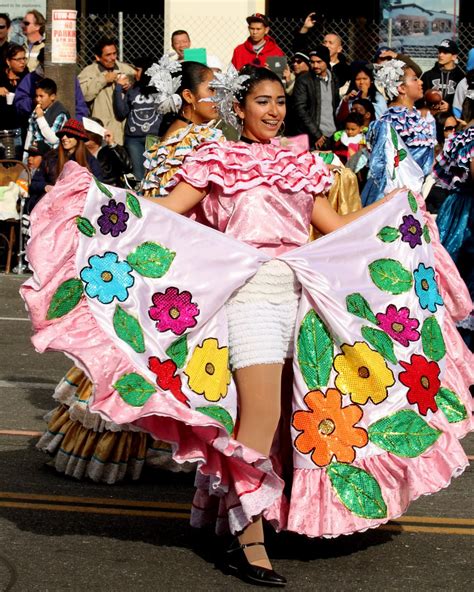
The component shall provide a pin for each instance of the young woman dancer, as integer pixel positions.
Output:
(262, 197)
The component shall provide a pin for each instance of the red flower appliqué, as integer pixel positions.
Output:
(166, 379)
(422, 379)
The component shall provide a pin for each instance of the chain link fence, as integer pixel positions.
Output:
(141, 35)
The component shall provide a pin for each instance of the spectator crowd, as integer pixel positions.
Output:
(332, 102)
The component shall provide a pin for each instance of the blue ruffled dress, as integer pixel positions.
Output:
(456, 216)
(418, 135)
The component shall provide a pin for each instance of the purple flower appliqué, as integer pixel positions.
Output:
(113, 219)
(411, 231)
(173, 311)
(398, 325)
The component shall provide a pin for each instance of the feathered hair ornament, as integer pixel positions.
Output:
(389, 75)
(168, 101)
(228, 85)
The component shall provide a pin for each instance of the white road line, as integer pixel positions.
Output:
(25, 385)
(14, 319)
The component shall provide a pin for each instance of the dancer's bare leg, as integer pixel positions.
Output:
(259, 389)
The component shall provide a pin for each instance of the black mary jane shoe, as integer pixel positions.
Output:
(237, 564)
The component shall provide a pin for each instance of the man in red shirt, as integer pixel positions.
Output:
(259, 45)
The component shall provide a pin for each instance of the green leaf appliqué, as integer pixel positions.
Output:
(66, 297)
(426, 233)
(357, 490)
(412, 202)
(84, 225)
(134, 389)
(128, 329)
(402, 154)
(358, 306)
(394, 135)
(432, 339)
(390, 276)
(450, 404)
(388, 234)
(103, 188)
(178, 351)
(404, 433)
(151, 259)
(315, 351)
(133, 205)
(219, 414)
(381, 342)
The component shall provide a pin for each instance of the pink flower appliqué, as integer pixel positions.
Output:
(398, 325)
(173, 311)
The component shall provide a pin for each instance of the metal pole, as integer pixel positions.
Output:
(389, 32)
(120, 35)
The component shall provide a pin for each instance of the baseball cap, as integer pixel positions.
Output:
(258, 17)
(448, 46)
(301, 56)
(38, 149)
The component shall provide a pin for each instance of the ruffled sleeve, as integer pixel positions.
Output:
(452, 167)
(235, 166)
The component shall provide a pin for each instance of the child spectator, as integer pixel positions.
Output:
(351, 140)
(48, 117)
(137, 105)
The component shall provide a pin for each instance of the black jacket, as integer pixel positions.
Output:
(306, 106)
(445, 81)
(114, 163)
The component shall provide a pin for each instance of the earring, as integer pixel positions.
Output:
(281, 131)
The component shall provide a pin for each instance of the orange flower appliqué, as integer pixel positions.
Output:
(328, 428)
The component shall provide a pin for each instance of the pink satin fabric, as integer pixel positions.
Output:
(261, 194)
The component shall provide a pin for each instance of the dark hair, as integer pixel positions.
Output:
(179, 32)
(256, 75)
(143, 83)
(367, 70)
(368, 106)
(48, 85)
(356, 118)
(103, 43)
(440, 120)
(79, 155)
(192, 75)
(39, 20)
(467, 114)
(13, 49)
(6, 18)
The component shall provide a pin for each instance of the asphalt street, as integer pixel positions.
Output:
(60, 534)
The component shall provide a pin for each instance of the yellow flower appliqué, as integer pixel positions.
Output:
(362, 374)
(208, 370)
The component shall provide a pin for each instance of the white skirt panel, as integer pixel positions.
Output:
(262, 315)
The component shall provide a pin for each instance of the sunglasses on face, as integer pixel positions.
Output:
(26, 23)
(3, 26)
(450, 128)
(297, 61)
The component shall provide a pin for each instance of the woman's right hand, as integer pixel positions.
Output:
(350, 96)
(3, 91)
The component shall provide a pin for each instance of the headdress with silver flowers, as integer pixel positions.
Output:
(168, 101)
(227, 86)
(389, 75)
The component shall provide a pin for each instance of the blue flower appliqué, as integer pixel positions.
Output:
(426, 288)
(107, 278)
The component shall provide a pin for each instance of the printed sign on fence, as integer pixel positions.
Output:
(63, 37)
